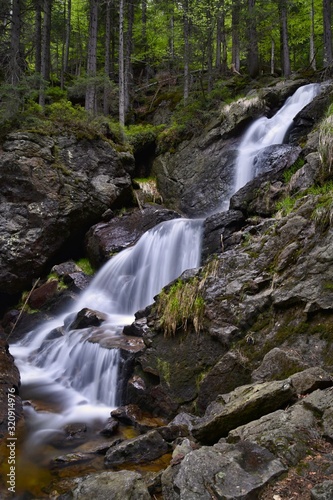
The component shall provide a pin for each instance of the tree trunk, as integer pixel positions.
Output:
(252, 54)
(128, 58)
(107, 61)
(312, 43)
(38, 36)
(15, 64)
(186, 51)
(46, 50)
(68, 35)
(272, 56)
(221, 42)
(235, 34)
(90, 102)
(285, 55)
(121, 65)
(327, 19)
(210, 49)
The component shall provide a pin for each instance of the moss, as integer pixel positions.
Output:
(287, 175)
(164, 370)
(86, 266)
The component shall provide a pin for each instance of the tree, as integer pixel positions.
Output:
(45, 53)
(252, 52)
(285, 56)
(121, 64)
(90, 101)
(327, 21)
(235, 19)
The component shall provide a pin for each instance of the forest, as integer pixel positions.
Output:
(113, 57)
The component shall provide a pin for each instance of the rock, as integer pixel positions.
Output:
(137, 328)
(122, 485)
(322, 491)
(260, 195)
(226, 471)
(41, 295)
(65, 268)
(320, 400)
(277, 365)
(134, 416)
(311, 379)
(306, 176)
(107, 238)
(141, 449)
(69, 460)
(225, 376)
(86, 318)
(219, 232)
(110, 428)
(9, 389)
(53, 190)
(286, 433)
(244, 404)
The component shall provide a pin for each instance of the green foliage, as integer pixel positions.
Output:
(286, 205)
(64, 112)
(140, 135)
(181, 305)
(287, 175)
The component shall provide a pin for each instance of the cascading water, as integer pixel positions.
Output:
(77, 379)
(268, 131)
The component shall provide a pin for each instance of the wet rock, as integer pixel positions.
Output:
(244, 404)
(137, 328)
(122, 485)
(107, 238)
(41, 295)
(77, 281)
(69, 460)
(134, 416)
(65, 268)
(110, 428)
(75, 431)
(86, 318)
(141, 449)
(9, 388)
(237, 471)
(219, 232)
(260, 195)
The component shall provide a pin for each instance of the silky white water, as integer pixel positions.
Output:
(77, 379)
(268, 131)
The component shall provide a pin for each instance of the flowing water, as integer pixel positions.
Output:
(268, 131)
(74, 380)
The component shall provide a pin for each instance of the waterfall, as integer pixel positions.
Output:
(77, 379)
(268, 131)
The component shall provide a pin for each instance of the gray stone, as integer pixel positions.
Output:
(244, 404)
(311, 379)
(322, 491)
(286, 433)
(276, 365)
(122, 485)
(225, 471)
(141, 449)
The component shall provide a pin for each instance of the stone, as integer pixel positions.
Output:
(86, 318)
(277, 364)
(122, 485)
(52, 190)
(244, 404)
(134, 416)
(110, 427)
(41, 295)
(322, 491)
(141, 449)
(311, 379)
(108, 238)
(228, 471)
(286, 433)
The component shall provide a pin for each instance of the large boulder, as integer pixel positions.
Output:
(107, 238)
(53, 189)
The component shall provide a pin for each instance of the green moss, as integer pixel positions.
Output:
(164, 370)
(86, 266)
(287, 175)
